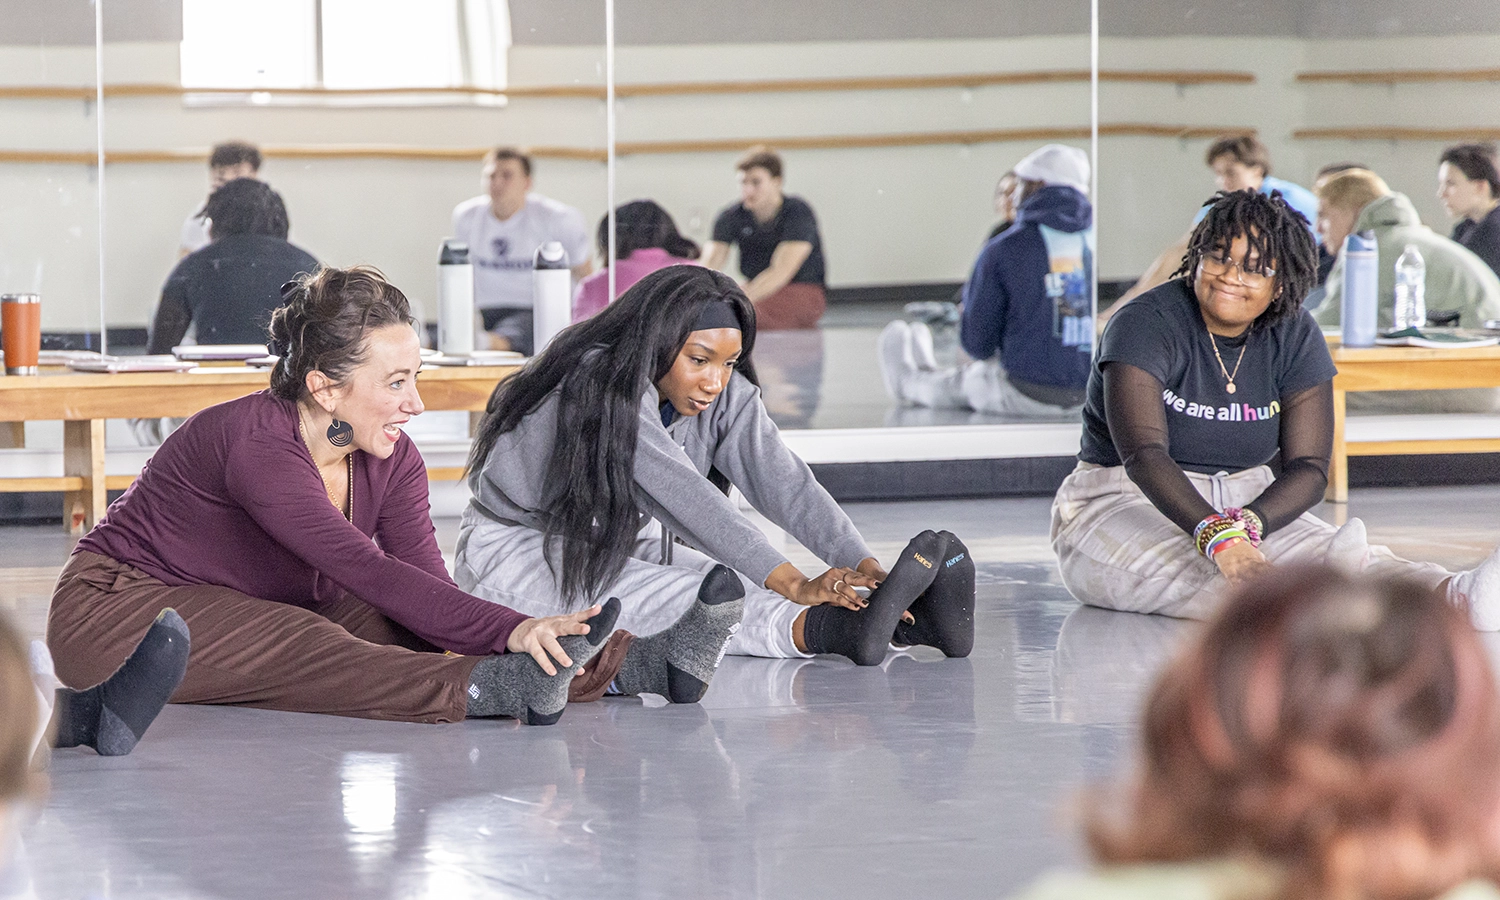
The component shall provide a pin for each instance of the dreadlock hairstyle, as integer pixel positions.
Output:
(599, 369)
(1274, 230)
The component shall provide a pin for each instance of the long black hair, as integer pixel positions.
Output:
(1278, 233)
(642, 224)
(600, 368)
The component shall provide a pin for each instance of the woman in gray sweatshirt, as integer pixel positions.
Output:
(602, 470)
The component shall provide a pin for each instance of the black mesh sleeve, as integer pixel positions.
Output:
(1306, 445)
(1138, 426)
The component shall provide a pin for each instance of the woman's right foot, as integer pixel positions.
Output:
(512, 684)
(679, 663)
(113, 715)
(897, 361)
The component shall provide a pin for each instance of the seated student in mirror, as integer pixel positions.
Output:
(228, 290)
(1458, 282)
(603, 468)
(1240, 162)
(1324, 736)
(226, 162)
(290, 531)
(781, 251)
(646, 239)
(1469, 186)
(1197, 386)
(504, 227)
(1027, 310)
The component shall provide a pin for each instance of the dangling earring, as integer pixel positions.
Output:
(340, 433)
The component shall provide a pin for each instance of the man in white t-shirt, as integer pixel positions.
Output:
(227, 161)
(503, 229)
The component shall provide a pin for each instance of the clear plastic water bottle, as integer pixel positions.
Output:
(1411, 289)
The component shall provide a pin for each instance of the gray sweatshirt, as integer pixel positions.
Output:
(733, 435)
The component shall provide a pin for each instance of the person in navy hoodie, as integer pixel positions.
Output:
(1027, 307)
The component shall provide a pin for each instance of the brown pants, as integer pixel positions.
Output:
(345, 659)
(794, 306)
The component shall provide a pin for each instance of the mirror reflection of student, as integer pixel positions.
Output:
(226, 162)
(1027, 313)
(781, 252)
(503, 228)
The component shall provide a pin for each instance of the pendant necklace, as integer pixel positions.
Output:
(1228, 375)
(349, 461)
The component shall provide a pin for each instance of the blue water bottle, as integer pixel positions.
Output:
(1360, 289)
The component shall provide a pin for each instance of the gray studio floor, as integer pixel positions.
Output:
(922, 778)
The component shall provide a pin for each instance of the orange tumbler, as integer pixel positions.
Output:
(21, 332)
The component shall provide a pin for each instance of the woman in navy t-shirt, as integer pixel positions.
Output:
(1197, 387)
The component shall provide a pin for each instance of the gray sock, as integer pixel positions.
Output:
(112, 716)
(512, 684)
(679, 663)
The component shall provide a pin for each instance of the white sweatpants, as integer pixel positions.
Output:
(505, 564)
(1117, 551)
(980, 386)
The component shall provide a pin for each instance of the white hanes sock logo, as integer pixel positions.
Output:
(725, 649)
(474, 692)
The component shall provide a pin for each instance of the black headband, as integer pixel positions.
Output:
(717, 314)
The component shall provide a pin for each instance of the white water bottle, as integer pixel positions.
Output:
(1411, 290)
(551, 294)
(455, 299)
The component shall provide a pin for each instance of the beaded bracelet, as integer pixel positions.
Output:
(1253, 525)
(1216, 532)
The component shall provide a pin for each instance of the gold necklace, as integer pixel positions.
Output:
(1228, 375)
(348, 459)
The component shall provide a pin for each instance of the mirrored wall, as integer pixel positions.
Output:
(893, 122)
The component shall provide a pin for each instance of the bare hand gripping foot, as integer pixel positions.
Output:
(114, 714)
(512, 684)
(679, 663)
(863, 635)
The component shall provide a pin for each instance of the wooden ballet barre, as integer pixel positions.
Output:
(1402, 76)
(658, 89)
(1393, 133)
(637, 148)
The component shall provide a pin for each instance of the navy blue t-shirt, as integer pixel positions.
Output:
(1209, 430)
(758, 240)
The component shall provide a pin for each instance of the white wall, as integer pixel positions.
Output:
(889, 216)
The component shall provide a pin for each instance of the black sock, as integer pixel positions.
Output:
(112, 716)
(512, 684)
(864, 634)
(945, 613)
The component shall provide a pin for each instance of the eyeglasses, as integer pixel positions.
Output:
(1250, 276)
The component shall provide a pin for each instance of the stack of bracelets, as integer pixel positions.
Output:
(1233, 526)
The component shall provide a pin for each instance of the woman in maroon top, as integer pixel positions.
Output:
(290, 530)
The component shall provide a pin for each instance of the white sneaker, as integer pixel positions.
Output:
(921, 347)
(1477, 592)
(896, 360)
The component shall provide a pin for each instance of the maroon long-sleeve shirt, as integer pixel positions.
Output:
(232, 498)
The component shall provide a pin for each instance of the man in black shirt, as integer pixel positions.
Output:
(781, 252)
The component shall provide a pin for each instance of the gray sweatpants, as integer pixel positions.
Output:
(504, 564)
(1116, 550)
(980, 386)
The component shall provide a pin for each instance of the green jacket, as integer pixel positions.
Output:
(1456, 278)
(1212, 880)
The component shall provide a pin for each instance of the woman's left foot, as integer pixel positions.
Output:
(864, 635)
(944, 613)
